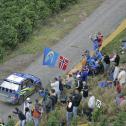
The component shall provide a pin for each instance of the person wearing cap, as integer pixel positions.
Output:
(27, 104)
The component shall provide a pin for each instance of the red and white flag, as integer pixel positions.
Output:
(63, 63)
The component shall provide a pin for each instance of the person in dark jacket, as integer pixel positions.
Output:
(76, 102)
(106, 63)
(21, 116)
(60, 85)
(53, 97)
(85, 91)
(117, 60)
(69, 111)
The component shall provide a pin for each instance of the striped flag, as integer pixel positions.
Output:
(63, 63)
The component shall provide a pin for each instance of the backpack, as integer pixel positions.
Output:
(76, 100)
(54, 100)
(36, 114)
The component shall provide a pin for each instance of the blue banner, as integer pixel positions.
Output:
(50, 57)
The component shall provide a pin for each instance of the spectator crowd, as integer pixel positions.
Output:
(92, 65)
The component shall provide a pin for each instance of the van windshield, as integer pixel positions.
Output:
(10, 85)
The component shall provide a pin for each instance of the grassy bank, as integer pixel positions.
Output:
(55, 28)
(115, 45)
(110, 114)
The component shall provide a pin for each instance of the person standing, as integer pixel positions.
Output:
(106, 63)
(76, 102)
(116, 72)
(91, 105)
(69, 111)
(21, 117)
(94, 39)
(85, 91)
(28, 115)
(53, 97)
(61, 85)
(55, 86)
(100, 39)
(27, 104)
(36, 114)
(116, 59)
(70, 81)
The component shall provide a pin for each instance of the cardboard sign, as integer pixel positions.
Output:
(98, 103)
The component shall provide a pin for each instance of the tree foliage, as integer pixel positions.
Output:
(19, 17)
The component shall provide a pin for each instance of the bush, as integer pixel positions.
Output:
(8, 35)
(18, 18)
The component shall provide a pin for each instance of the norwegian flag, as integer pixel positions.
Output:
(63, 63)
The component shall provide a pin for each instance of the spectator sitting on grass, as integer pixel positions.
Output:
(98, 55)
(119, 98)
(122, 76)
(84, 73)
(118, 86)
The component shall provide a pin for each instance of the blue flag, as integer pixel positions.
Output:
(50, 57)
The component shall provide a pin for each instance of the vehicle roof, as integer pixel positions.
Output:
(20, 77)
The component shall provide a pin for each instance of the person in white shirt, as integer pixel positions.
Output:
(27, 104)
(91, 102)
(91, 105)
(116, 72)
(122, 77)
(55, 86)
(28, 115)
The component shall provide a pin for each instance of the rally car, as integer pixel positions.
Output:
(18, 86)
